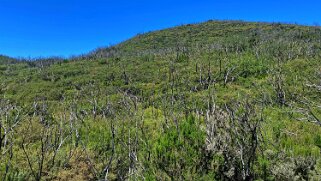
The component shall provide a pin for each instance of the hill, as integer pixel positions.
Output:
(220, 100)
(7, 60)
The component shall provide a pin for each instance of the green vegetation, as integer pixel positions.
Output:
(220, 100)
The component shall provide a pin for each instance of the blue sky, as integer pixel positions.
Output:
(34, 28)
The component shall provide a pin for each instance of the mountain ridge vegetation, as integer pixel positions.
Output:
(219, 100)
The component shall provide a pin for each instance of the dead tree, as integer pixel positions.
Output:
(311, 110)
(10, 117)
(233, 133)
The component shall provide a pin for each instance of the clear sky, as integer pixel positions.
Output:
(69, 27)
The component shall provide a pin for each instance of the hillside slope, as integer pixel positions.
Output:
(7, 60)
(217, 100)
(229, 35)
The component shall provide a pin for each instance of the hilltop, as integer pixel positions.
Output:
(7, 60)
(215, 100)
